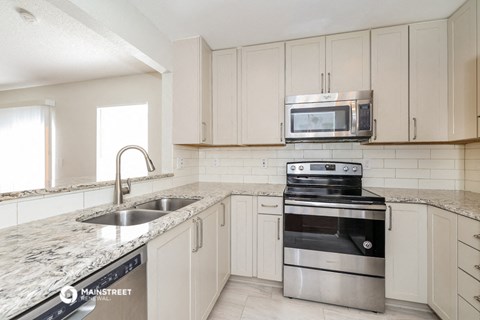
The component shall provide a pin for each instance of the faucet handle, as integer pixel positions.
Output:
(126, 190)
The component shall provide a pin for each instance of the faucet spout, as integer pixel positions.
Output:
(118, 192)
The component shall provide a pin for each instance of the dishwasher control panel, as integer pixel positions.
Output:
(91, 289)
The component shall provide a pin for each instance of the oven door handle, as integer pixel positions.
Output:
(358, 206)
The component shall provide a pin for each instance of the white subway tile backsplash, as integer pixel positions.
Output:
(412, 173)
(401, 163)
(436, 184)
(436, 164)
(317, 154)
(379, 173)
(30, 210)
(98, 197)
(347, 154)
(379, 154)
(8, 214)
(401, 183)
(412, 154)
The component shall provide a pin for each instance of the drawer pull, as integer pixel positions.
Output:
(477, 236)
(477, 298)
(269, 205)
(477, 266)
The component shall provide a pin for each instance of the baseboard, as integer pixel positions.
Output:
(275, 284)
(400, 304)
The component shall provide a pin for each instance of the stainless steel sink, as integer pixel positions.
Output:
(166, 204)
(128, 217)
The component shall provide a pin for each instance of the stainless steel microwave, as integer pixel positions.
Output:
(330, 116)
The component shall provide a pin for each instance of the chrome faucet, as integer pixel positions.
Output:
(119, 190)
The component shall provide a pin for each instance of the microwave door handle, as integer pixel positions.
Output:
(353, 118)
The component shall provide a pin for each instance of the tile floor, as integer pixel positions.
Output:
(250, 301)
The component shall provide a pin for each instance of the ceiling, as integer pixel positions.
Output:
(232, 23)
(55, 49)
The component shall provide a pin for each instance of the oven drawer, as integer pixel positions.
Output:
(270, 205)
(469, 260)
(336, 288)
(469, 289)
(469, 231)
(335, 261)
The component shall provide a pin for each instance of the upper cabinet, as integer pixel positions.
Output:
(225, 98)
(462, 68)
(263, 93)
(305, 66)
(348, 61)
(328, 64)
(192, 92)
(390, 84)
(409, 82)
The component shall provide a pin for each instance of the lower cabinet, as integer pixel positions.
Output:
(257, 237)
(223, 244)
(183, 268)
(442, 263)
(406, 252)
(466, 311)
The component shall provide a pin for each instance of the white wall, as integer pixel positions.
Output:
(406, 166)
(76, 117)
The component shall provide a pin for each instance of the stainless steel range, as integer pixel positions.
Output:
(334, 236)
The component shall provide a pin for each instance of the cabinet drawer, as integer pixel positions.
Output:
(469, 260)
(469, 231)
(466, 311)
(270, 205)
(469, 289)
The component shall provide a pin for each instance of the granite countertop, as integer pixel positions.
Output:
(38, 258)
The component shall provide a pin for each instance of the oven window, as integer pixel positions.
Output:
(322, 119)
(335, 234)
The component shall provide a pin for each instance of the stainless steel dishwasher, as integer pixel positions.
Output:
(118, 291)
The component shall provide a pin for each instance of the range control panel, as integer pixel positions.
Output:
(324, 168)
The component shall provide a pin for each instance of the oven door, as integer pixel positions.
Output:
(349, 229)
(321, 120)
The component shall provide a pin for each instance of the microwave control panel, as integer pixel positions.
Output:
(364, 116)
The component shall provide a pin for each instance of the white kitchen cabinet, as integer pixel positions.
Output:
(192, 94)
(406, 252)
(205, 262)
(263, 94)
(225, 98)
(270, 247)
(348, 61)
(390, 84)
(305, 66)
(462, 69)
(223, 226)
(170, 274)
(428, 81)
(442, 263)
(242, 236)
(467, 311)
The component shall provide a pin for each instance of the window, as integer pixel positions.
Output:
(117, 127)
(26, 146)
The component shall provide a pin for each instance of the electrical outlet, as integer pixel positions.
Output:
(264, 163)
(216, 162)
(180, 163)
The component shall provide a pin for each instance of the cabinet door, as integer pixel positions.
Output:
(192, 92)
(462, 67)
(348, 61)
(263, 87)
(242, 236)
(442, 263)
(270, 247)
(205, 264)
(170, 274)
(428, 81)
(390, 84)
(224, 87)
(305, 66)
(406, 252)
(223, 243)
(466, 311)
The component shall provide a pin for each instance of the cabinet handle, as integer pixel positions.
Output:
(477, 298)
(374, 129)
(204, 131)
(323, 83)
(477, 267)
(200, 244)
(329, 82)
(278, 228)
(281, 131)
(223, 214)
(414, 128)
(477, 236)
(269, 205)
(390, 218)
(195, 247)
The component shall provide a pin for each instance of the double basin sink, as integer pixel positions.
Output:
(142, 213)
